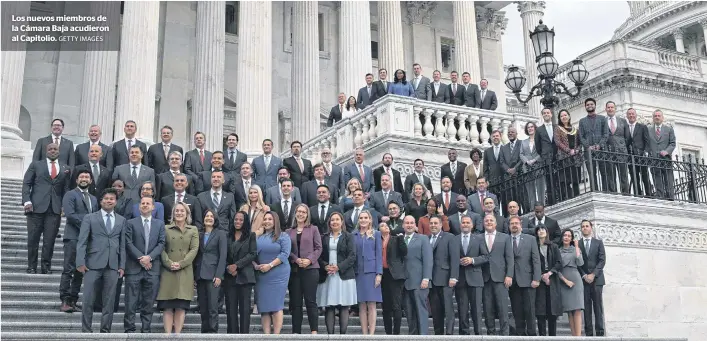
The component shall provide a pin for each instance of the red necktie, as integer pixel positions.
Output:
(446, 200)
(612, 126)
(482, 197)
(360, 170)
(657, 132)
(54, 173)
(179, 197)
(201, 156)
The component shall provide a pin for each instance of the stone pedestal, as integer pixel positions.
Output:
(531, 12)
(138, 69)
(254, 93)
(355, 46)
(390, 30)
(305, 70)
(466, 44)
(207, 109)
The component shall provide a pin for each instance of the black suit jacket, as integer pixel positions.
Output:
(242, 253)
(156, 159)
(165, 184)
(297, 176)
(441, 95)
(396, 250)
(168, 203)
(119, 152)
(226, 210)
(192, 162)
(489, 102)
(75, 208)
(309, 193)
(210, 261)
(412, 179)
(472, 96)
(44, 192)
(345, 257)
(97, 185)
(493, 171)
(638, 143)
(510, 159)
(458, 97)
(594, 260)
(322, 224)
(546, 148)
(203, 181)
(452, 203)
(457, 179)
(397, 181)
(334, 115)
(239, 158)
(285, 222)
(554, 233)
(380, 90)
(81, 154)
(67, 155)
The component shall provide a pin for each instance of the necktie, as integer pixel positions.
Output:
(95, 172)
(465, 243)
(657, 131)
(286, 209)
(433, 240)
(179, 197)
(341, 108)
(267, 162)
(495, 152)
(231, 157)
(301, 165)
(355, 217)
(216, 201)
(586, 245)
(416, 82)
(612, 125)
(109, 223)
(166, 150)
(513, 145)
(130, 144)
(454, 168)
(385, 197)
(446, 200)
(489, 241)
(483, 94)
(54, 172)
(327, 169)
(369, 91)
(407, 240)
(548, 127)
(247, 185)
(515, 244)
(87, 199)
(482, 196)
(201, 156)
(632, 130)
(454, 88)
(362, 173)
(56, 141)
(146, 226)
(134, 172)
(322, 214)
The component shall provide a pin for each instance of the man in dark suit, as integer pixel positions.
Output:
(66, 147)
(351, 216)
(438, 89)
(180, 193)
(420, 84)
(470, 282)
(100, 175)
(418, 177)
(198, 159)
(285, 208)
(387, 168)
(336, 111)
(526, 277)
(274, 194)
(380, 86)
(545, 142)
(265, 167)
(360, 171)
(447, 197)
(209, 268)
(234, 158)
(94, 137)
(498, 276)
(217, 199)
(320, 213)
(513, 209)
(593, 134)
(366, 93)
(511, 164)
(43, 188)
(456, 219)
(334, 174)
(100, 256)
(133, 174)
(445, 273)
(592, 272)
(77, 203)
(165, 180)
(637, 144)
(493, 170)
(490, 208)
(455, 171)
(488, 97)
(241, 184)
(203, 178)
(310, 188)
(120, 149)
(158, 153)
(617, 143)
(455, 91)
(472, 96)
(418, 273)
(661, 144)
(476, 200)
(144, 242)
(379, 200)
(300, 168)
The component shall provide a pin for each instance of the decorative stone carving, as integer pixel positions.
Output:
(678, 33)
(528, 6)
(406, 169)
(490, 23)
(703, 23)
(419, 12)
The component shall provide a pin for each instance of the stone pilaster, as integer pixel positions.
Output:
(390, 31)
(466, 44)
(678, 35)
(531, 12)
(13, 71)
(354, 46)
(703, 23)
(207, 109)
(138, 68)
(305, 70)
(100, 75)
(254, 93)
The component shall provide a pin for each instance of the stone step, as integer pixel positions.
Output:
(57, 263)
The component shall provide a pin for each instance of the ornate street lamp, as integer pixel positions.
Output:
(543, 39)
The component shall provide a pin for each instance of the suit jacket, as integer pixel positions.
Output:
(472, 96)
(445, 256)
(477, 206)
(335, 115)
(157, 212)
(193, 164)
(132, 185)
(666, 141)
(412, 179)
(210, 262)
(489, 102)
(156, 159)
(119, 152)
(527, 154)
(273, 196)
(124, 207)
(593, 132)
(285, 221)
(492, 166)
(322, 224)
(44, 192)
(348, 219)
(511, 159)
(363, 100)
(638, 142)
(345, 257)
(310, 247)
(395, 252)
(470, 176)
(526, 261)
(243, 254)
(351, 171)
(168, 202)
(457, 178)
(97, 185)
(422, 90)
(266, 178)
(309, 193)
(239, 158)
(545, 145)
(418, 261)
(458, 97)
(379, 204)
(99, 248)
(501, 261)
(66, 150)
(240, 193)
(455, 224)
(81, 154)
(618, 140)
(452, 203)
(369, 256)
(336, 178)
(298, 176)
(75, 208)
(165, 184)
(226, 210)
(135, 245)
(554, 234)
(472, 274)
(397, 180)
(594, 260)
(380, 90)
(203, 181)
(439, 96)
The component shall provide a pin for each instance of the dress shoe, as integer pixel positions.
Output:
(66, 307)
(46, 271)
(73, 305)
(31, 271)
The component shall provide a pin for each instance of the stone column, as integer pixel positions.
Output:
(138, 68)
(703, 23)
(678, 35)
(531, 12)
(390, 31)
(354, 46)
(100, 75)
(207, 105)
(13, 71)
(466, 45)
(490, 26)
(305, 70)
(254, 93)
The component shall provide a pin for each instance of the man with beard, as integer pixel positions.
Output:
(101, 174)
(387, 168)
(454, 170)
(593, 134)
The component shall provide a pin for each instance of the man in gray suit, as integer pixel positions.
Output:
(421, 84)
(488, 97)
(455, 220)
(593, 134)
(198, 159)
(379, 200)
(336, 112)
(233, 158)
(617, 141)
(661, 144)
(133, 174)
(265, 167)
(472, 96)
(366, 93)
(526, 277)
(144, 242)
(498, 276)
(94, 137)
(445, 273)
(334, 174)
(274, 194)
(511, 163)
(471, 281)
(100, 256)
(476, 200)
(438, 89)
(418, 272)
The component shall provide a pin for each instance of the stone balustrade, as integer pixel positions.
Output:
(680, 61)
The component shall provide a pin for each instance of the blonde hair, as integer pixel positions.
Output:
(186, 208)
(260, 205)
(348, 184)
(307, 221)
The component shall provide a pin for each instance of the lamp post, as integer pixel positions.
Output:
(547, 88)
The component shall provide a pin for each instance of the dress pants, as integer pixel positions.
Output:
(303, 285)
(442, 306)
(523, 307)
(39, 224)
(469, 298)
(70, 284)
(238, 299)
(140, 290)
(102, 282)
(496, 303)
(593, 298)
(208, 297)
(416, 311)
(392, 302)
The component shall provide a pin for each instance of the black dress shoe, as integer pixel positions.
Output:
(31, 271)
(46, 271)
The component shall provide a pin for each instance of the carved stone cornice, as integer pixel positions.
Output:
(419, 12)
(530, 6)
(406, 169)
(490, 23)
(678, 33)
(703, 23)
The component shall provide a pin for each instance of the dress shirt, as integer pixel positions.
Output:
(86, 195)
(219, 195)
(247, 183)
(56, 139)
(137, 169)
(539, 221)
(129, 145)
(416, 81)
(483, 93)
(631, 127)
(420, 177)
(327, 167)
(486, 237)
(320, 182)
(368, 88)
(548, 128)
(56, 164)
(611, 120)
(587, 244)
(466, 240)
(436, 85)
(289, 205)
(176, 197)
(105, 219)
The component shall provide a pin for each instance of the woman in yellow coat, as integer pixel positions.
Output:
(177, 278)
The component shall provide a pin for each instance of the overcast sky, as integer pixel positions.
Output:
(572, 34)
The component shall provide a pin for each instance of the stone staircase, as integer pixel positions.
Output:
(30, 303)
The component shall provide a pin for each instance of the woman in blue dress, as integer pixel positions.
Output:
(369, 271)
(400, 85)
(273, 273)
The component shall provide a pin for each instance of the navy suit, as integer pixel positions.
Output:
(119, 153)
(81, 154)
(157, 213)
(351, 171)
(156, 159)
(75, 208)
(266, 177)
(66, 150)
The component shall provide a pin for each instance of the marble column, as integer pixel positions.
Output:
(207, 105)
(138, 69)
(390, 32)
(678, 35)
(491, 25)
(703, 23)
(354, 46)
(13, 71)
(254, 92)
(100, 75)
(531, 12)
(466, 44)
(305, 70)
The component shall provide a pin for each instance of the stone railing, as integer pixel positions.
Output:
(413, 120)
(679, 61)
